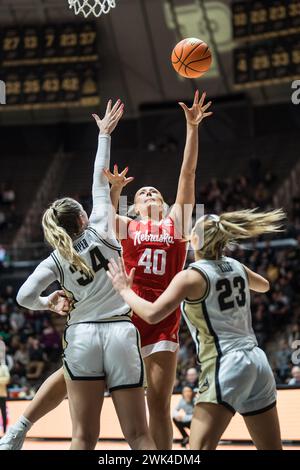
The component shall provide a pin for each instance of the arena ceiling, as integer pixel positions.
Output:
(135, 41)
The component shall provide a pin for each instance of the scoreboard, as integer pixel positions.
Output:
(268, 34)
(52, 66)
(266, 19)
(267, 63)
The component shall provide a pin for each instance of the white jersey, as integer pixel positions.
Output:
(221, 321)
(91, 299)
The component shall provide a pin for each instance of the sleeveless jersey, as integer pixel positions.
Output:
(221, 321)
(156, 252)
(94, 299)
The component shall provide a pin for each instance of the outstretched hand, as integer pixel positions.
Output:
(117, 179)
(197, 112)
(112, 116)
(118, 276)
(59, 303)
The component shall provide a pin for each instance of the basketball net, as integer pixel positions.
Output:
(94, 7)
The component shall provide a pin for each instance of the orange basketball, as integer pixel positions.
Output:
(191, 58)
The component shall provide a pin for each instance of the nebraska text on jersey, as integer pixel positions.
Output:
(165, 237)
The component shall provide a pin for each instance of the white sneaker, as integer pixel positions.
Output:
(13, 439)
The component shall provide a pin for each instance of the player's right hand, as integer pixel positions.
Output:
(112, 116)
(118, 179)
(59, 303)
(196, 114)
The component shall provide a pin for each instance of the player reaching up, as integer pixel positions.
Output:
(101, 345)
(155, 245)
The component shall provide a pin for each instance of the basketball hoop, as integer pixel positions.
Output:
(88, 7)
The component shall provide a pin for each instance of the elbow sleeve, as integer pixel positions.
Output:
(20, 298)
(26, 300)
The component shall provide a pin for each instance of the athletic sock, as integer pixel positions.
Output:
(23, 424)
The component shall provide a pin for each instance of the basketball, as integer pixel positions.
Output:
(191, 58)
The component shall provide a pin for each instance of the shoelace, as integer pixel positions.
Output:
(12, 434)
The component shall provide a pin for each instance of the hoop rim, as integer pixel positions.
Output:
(88, 7)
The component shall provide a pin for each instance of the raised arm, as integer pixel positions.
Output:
(118, 181)
(185, 284)
(100, 191)
(30, 294)
(186, 185)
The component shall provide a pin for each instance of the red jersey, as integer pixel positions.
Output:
(158, 254)
(155, 251)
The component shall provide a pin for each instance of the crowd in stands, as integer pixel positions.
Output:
(34, 344)
(8, 213)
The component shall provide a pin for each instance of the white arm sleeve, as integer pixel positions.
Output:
(29, 295)
(102, 210)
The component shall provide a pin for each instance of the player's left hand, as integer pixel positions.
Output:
(59, 303)
(117, 179)
(197, 112)
(112, 116)
(118, 276)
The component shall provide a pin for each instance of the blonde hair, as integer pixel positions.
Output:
(61, 225)
(218, 232)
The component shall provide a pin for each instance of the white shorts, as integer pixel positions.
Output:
(240, 380)
(108, 350)
(161, 346)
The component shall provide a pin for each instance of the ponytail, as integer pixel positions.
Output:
(58, 237)
(219, 231)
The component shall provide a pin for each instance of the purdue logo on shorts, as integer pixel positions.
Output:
(204, 387)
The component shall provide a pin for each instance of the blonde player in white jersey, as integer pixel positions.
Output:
(215, 300)
(101, 345)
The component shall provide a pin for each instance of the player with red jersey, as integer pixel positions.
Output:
(155, 246)
(157, 258)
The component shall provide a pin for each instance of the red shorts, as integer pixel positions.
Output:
(160, 337)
